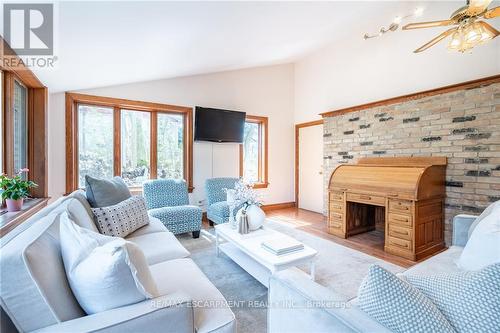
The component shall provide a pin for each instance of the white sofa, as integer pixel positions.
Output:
(301, 305)
(35, 293)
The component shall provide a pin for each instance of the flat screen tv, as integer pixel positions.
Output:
(219, 125)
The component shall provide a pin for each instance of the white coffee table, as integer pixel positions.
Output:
(247, 252)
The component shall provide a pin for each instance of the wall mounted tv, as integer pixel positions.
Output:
(219, 125)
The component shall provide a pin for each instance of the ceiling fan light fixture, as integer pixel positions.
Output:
(486, 35)
(456, 41)
(473, 34)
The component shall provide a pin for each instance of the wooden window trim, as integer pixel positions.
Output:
(37, 98)
(72, 101)
(263, 150)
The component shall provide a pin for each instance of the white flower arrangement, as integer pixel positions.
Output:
(245, 194)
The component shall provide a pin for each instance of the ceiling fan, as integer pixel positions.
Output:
(468, 32)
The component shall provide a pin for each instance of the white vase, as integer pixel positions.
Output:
(255, 215)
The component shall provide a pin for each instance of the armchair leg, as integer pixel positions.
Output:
(196, 234)
(210, 223)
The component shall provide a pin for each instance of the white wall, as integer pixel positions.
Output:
(263, 91)
(355, 71)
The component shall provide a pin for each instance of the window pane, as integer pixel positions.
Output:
(170, 146)
(251, 152)
(20, 127)
(95, 142)
(135, 145)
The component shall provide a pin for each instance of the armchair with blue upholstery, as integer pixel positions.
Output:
(217, 207)
(168, 201)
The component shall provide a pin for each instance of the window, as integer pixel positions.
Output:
(253, 151)
(95, 142)
(20, 128)
(1, 122)
(135, 146)
(135, 140)
(170, 146)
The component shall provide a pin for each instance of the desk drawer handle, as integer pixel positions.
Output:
(400, 219)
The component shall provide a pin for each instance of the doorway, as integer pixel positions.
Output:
(309, 166)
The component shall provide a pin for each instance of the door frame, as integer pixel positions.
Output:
(297, 130)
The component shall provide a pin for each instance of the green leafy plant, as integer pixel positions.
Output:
(16, 187)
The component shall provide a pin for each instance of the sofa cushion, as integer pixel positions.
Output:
(211, 311)
(34, 289)
(470, 300)
(483, 247)
(123, 218)
(104, 272)
(441, 263)
(220, 208)
(398, 305)
(159, 246)
(78, 213)
(105, 192)
(154, 225)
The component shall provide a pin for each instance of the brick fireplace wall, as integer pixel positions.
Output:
(463, 125)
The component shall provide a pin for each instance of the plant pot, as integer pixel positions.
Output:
(14, 205)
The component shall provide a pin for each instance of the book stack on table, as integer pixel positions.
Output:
(282, 246)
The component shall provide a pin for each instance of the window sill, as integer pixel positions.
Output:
(10, 220)
(260, 185)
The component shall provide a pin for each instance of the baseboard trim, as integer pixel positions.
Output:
(276, 206)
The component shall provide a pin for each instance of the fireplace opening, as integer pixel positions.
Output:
(366, 223)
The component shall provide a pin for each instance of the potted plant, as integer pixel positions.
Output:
(15, 189)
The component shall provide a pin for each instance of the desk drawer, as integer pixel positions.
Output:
(336, 196)
(337, 206)
(400, 206)
(398, 243)
(400, 232)
(366, 198)
(336, 217)
(400, 219)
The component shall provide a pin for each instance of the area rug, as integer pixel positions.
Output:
(338, 268)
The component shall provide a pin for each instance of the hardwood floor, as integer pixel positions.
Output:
(371, 243)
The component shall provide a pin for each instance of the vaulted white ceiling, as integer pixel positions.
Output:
(106, 43)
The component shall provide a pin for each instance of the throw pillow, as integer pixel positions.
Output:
(105, 192)
(103, 272)
(79, 214)
(469, 300)
(123, 218)
(485, 213)
(397, 305)
(483, 247)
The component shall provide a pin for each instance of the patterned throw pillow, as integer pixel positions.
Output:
(470, 300)
(398, 305)
(123, 218)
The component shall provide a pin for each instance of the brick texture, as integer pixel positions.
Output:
(463, 125)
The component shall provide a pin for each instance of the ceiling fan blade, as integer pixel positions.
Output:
(476, 7)
(428, 24)
(488, 27)
(492, 13)
(435, 40)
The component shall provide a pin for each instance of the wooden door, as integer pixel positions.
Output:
(310, 168)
